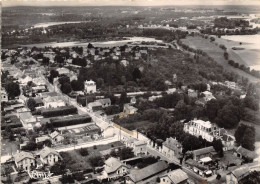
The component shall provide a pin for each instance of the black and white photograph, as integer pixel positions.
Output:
(130, 91)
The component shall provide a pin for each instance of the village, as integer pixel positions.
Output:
(55, 120)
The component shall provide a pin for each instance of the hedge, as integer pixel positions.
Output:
(71, 120)
(60, 111)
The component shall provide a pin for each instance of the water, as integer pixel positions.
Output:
(97, 44)
(47, 24)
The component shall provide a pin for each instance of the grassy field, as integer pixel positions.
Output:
(76, 162)
(215, 52)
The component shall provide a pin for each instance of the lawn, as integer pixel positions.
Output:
(75, 162)
(216, 53)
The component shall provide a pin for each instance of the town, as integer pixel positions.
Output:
(131, 109)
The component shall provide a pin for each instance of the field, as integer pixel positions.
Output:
(215, 52)
(76, 162)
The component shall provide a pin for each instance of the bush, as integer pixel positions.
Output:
(67, 121)
(60, 111)
(83, 152)
(96, 161)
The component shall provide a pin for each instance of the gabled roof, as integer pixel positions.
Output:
(54, 134)
(104, 101)
(22, 155)
(139, 143)
(204, 151)
(112, 164)
(171, 143)
(241, 172)
(46, 151)
(177, 176)
(246, 153)
(141, 174)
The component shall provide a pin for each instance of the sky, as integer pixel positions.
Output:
(126, 2)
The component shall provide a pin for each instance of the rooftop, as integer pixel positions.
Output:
(204, 150)
(112, 164)
(177, 176)
(206, 124)
(22, 155)
(46, 151)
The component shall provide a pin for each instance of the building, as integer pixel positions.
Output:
(49, 156)
(140, 175)
(114, 168)
(39, 89)
(24, 160)
(63, 71)
(204, 152)
(90, 87)
(174, 177)
(238, 174)
(245, 154)
(27, 119)
(4, 96)
(208, 96)
(95, 105)
(56, 137)
(106, 102)
(171, 148)
(53, 102)
(128, 109)
(200, 128)
(192, 93)
(139, 147)
(41, 139)
(107, 131)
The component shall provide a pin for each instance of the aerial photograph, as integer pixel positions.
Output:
(130, 92)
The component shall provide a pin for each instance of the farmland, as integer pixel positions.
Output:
(213, 50)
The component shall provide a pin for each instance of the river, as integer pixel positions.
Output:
(47, 24)
(96, 44)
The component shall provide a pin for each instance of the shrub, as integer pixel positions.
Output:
(67, 121)
(83, 152)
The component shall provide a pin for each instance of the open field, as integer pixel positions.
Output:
(215, 52)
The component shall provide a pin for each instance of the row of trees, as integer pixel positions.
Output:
(244, 68)
(245, 136)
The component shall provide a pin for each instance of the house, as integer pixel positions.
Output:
(4, 96)
(39, 89)
(24, 80)
(174, 177)
(105, 102)
(208, 96)
(238, 174)
(90, 87)
(139, 147)
(171, 148)
(95, 105)
(133, 100)
(38, 102)
(27, 119)
(230, 84)
(107, 131)
(200, 128)
(124, 62)
(114, 168)
(41, 139)
(140, 175)
(128, 109)
(24, 160)
(244, 153)
(53, 102)
(39, 81)
(192, 93)
(203, 152)
(56, 137)
(63, 71)
(49, 156)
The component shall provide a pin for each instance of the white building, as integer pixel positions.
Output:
(208, 96)
(49, 156)
(24, 160)
(90, 86)
(200, 128)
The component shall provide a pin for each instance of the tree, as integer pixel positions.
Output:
(251, 102)
(96, 161)
(226, 55)
(66, 88)
(212, 108)
(77, 85)
(125, 153)
(218, 146)
(123, 98)
(240, 133)
(83, 152)
(90, 46)
(136, 74)
(248, 140)
(59, 59)
(31, 104)
(12, 89)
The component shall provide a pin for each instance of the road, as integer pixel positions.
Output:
(192, 176)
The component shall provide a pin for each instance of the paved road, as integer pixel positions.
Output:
(194, 177)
